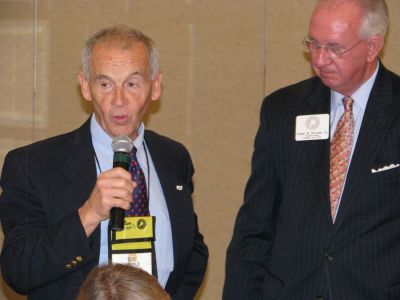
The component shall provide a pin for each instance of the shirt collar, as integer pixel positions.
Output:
(100, 138)
(138, 142)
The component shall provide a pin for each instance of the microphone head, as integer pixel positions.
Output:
(122, 143)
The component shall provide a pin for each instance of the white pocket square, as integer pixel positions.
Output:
(385, 168)
(179, 187)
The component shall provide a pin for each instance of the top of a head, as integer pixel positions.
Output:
(126, 36)
(122, 143)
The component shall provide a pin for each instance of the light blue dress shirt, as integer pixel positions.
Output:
(360, 98)
(157, 204)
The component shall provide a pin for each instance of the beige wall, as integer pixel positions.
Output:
(219, 59)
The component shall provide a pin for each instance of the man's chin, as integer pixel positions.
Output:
(329, 81)
(129, 133)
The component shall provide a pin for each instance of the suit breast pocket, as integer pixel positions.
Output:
(384, 187)
(382, 174)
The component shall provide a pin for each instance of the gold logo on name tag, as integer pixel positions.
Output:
(141, 224)
(132, 258)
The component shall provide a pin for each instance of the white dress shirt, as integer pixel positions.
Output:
(360, 98)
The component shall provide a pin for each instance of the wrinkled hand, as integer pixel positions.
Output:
(113, 188)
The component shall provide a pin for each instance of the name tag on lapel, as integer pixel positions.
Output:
(312, 127)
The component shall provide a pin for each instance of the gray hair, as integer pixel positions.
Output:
(376, 16)
(376, 19)
(125, 34)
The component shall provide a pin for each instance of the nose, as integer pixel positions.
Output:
(119, 97)
(321, 57)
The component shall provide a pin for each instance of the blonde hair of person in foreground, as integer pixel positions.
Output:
(121, 282)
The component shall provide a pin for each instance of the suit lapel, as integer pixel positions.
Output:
(176, 196)
(79, 164)
(318, 150)
(376, 121)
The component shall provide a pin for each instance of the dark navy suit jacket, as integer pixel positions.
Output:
(46, 253)
(285, 245)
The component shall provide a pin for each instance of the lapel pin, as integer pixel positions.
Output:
(179, 187)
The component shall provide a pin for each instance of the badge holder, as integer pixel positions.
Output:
(312, 127)
(134, 245)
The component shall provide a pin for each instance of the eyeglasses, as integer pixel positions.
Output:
(333, 51)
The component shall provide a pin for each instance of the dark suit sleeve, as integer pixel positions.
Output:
(248, 252)
(196, 266)
(36, 250)
(194, 272)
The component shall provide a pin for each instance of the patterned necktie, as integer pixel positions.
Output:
(340, 154)
(140, 201)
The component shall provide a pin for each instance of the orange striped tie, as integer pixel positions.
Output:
(340, 151)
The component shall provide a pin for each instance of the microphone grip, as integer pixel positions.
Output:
(117, 218)
(117, 214)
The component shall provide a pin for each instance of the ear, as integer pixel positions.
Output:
(84, 86)
(156, 87)
(375, 45)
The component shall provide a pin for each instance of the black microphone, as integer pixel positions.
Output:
(122, 146)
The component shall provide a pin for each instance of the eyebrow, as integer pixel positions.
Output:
(105, 77)
(331, 44)
(136, 73)
(102, 76)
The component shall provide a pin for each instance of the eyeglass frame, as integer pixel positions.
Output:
(333, 51)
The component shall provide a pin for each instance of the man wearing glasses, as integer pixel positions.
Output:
(321, 212)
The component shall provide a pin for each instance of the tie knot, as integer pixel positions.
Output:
(348, 103)
(133, 153)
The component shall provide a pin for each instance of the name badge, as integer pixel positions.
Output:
(135, 244)
(312, 127)
(138, 260)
